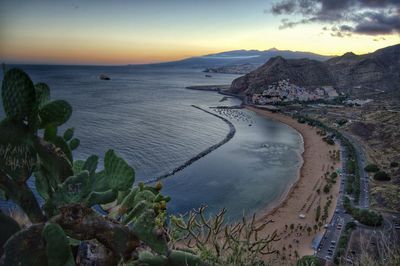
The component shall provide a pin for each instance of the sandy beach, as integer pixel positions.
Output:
(304, 196)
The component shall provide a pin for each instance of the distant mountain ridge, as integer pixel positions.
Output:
(379, 70)
(255, 58)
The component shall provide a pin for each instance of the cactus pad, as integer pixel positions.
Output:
(17, 155)
(18, 94)
(42, 94)
(68, 134)
(55, 113)
(74, 143)
(58, 250)
(120, 175)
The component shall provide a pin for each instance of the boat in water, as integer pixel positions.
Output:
(104, 77)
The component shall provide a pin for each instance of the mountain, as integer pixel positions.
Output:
(236, 58)
(379, 70)
(302, 72)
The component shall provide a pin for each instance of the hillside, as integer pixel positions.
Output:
(359, 75)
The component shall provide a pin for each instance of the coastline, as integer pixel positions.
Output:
(302, 192)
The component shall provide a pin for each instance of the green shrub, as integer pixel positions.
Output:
(371, 168)
(382, 176)
(308, 261)
(327, 188)
(328, 140)
(394, 164)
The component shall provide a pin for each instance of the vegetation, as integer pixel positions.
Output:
(388, 252)
(308, 261)
(364, 216)
(328, 140)
(343, 241)
(318, 213)
(342, 121)
(394, 164)
(220, 243)
(371, 168)
(382, 176)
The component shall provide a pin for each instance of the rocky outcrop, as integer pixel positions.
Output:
(351, 73)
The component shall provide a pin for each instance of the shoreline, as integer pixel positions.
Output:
(286, 209)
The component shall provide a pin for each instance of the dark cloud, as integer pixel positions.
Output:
(286, 7)
(368, 17)
(378, 23)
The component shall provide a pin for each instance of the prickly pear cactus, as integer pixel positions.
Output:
(58, 250)
(17, 154)
(18, 94)
(68, 134)
(91, 188)
(42, 94)
(74, 143)
(120, 175)
(55, 113)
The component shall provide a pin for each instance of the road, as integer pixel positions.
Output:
(364, 179)
(328, 246)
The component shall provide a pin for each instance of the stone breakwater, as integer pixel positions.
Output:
(229, 136)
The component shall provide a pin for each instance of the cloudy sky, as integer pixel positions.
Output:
(130, 31)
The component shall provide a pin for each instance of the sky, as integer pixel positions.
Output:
(133, 32)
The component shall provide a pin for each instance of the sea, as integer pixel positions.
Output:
(145, 114)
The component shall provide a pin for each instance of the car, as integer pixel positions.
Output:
(333, 242)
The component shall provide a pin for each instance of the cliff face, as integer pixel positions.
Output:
(353, 73)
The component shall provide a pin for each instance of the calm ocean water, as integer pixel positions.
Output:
(145, 115)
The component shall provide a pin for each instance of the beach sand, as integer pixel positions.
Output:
(303, 197)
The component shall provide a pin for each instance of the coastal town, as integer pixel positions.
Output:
(284, 91)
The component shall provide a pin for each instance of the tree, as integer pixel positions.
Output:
(381, 176)
(308, 261)
(394, 164)
(309, 230)
(318, 213)
(371, 168)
